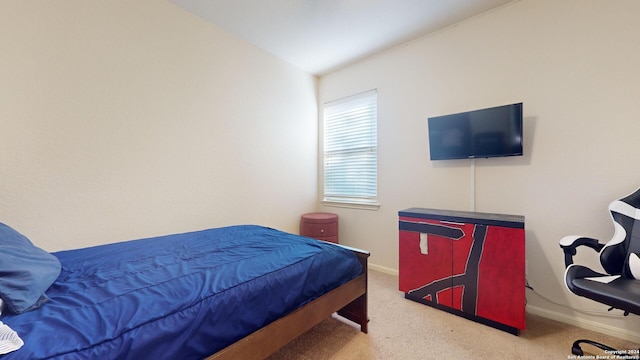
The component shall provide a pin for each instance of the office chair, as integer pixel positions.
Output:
(618, 288)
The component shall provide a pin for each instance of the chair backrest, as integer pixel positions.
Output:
(620, 255)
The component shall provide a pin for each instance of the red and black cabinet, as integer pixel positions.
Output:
(467, 263)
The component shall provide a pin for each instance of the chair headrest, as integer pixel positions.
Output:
(633, 199)
(628, 206)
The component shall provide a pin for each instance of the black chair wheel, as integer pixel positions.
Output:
(577, 350)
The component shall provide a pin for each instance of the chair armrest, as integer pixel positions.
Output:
(569, 245)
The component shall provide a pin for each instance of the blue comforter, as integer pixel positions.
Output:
(181, 296)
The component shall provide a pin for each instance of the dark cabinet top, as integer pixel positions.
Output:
(514, 221)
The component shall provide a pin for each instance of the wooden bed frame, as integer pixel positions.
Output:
(349, 300)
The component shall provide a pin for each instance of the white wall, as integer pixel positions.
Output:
(127, 119)
(574, 64)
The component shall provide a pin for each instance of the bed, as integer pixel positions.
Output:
(238, 292)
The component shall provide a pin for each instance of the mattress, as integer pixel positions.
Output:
(180, 296)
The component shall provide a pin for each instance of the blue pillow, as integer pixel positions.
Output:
(26, 272)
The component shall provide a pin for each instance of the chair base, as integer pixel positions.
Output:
(577, 350)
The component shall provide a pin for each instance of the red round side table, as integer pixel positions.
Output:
(320, 225)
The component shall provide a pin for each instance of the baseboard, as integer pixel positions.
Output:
(383, 269)
(586, 324)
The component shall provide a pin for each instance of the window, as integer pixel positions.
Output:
(351, 150)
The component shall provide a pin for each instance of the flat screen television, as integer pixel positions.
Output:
(484, 133)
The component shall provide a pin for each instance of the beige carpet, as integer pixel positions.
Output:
(403, 329)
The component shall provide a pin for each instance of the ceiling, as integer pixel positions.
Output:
(319, 36)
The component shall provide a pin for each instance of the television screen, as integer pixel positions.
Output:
(484, 133)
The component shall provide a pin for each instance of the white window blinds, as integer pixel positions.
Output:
(351, 149)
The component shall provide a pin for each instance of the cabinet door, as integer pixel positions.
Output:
(501, 291)
(428, 260)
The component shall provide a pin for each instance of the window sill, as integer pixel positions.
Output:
(350, 205)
